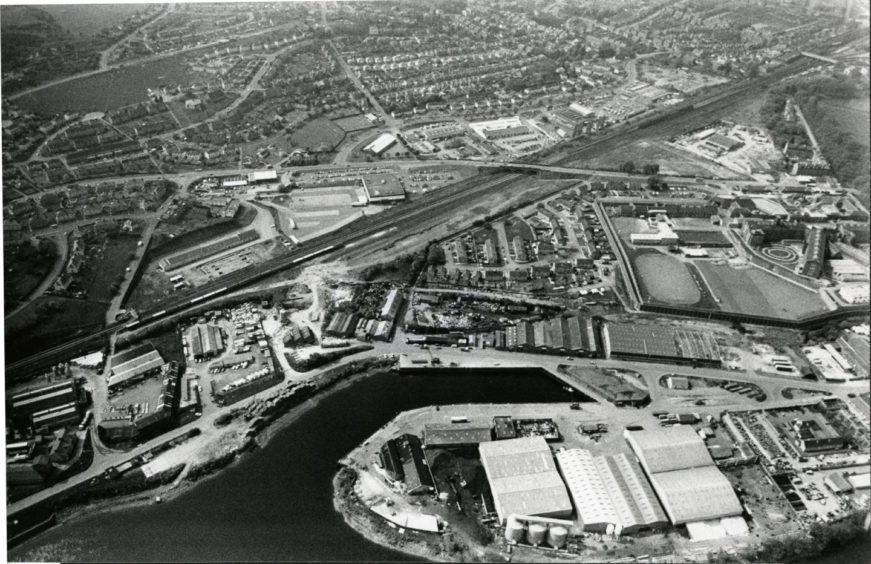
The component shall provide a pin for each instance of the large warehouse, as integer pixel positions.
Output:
(524, 479)
(691, 488)
(610, 493)
(133, 364)
(657, 343)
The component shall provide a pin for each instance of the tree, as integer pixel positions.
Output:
(651, 168)
(284, 189)
(628, 167)
(653, 182)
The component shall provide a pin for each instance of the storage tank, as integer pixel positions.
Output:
(514, 530)
(536, 534)
(556, 536)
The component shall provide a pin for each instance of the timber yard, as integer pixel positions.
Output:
(530, 282)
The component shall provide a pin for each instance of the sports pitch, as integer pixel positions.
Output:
(666, 279)
(754, 291)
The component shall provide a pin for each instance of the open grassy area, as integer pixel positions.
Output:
(666, 279)
(319, 135)
(49, 321)
(115, 260)
(670, 160)
(755, 291)
(25, 268)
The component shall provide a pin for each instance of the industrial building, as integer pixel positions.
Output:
(456, 435)
(690, 487)
(610, 493)
(262, 176)
(206, 341)
(125, 426)
(403, 460)
(500, 128)
(380, 144)
(383, 188)
(812, 434)
(523, 478)
(48, 420)
(657, 343)
(25, 405)
(573, 334)
(134, 364)
(391, 305)
(342, 324)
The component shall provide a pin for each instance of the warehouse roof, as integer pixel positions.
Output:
(456, 434)
(669, 448)
(696, 494)
(641, 339)
(135, 367)
(523, 478)
(383, 141)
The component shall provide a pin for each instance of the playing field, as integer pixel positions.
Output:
(755, 291)
(666, 279)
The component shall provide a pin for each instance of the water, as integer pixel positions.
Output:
(277, 503)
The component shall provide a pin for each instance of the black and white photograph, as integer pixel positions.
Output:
(558, 281)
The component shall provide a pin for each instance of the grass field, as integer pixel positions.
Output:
(852, 116)
(320, 135)
(116, 258)
(670, 160)
(666, 279)
(353, 123)
(48, 321)
(755, 291)
(25, 272)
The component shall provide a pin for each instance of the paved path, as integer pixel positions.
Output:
(62, 244)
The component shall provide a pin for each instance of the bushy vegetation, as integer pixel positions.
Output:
(406, 267)
(849, 159)
(820, 538)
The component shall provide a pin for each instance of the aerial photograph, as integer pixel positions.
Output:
(437, 280)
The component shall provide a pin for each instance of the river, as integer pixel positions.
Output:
(276, 503)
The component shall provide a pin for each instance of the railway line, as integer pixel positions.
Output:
(671, 122)
(321, 246)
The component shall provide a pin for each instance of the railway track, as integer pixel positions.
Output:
(310, 250)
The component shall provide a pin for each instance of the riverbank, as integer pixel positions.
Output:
(243, 430)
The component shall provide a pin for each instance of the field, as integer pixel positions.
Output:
(353, 123)
(666, 279)
(108, 90)
(26, 271)
(671, 161)
(90, 19)
(115, 259)
(320, 135)
(755, 291)
(48, 321)
(852, 116)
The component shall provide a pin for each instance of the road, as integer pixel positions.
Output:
(142, 61)
(106, 53)
(62, 245)
(480, 358)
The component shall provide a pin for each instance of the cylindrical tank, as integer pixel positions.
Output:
(536, 534)
(514, 530)
(609, 530)
(556, 536)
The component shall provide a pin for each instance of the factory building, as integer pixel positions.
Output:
(206, 341)
(48, 420)
(610, 493)
(382, 188)
(380, 144)
(500, 128)
(259, 176)
(134, 364)
(813, 434)
(403, 460)
(342, 324)
(655, 343)
(391, 305)
(523, 478)
(690, 487)
(26, 404)
(456, 435)
(574, 334)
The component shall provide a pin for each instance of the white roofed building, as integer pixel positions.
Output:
(381, 144)
(691, 488)
(523, 478)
